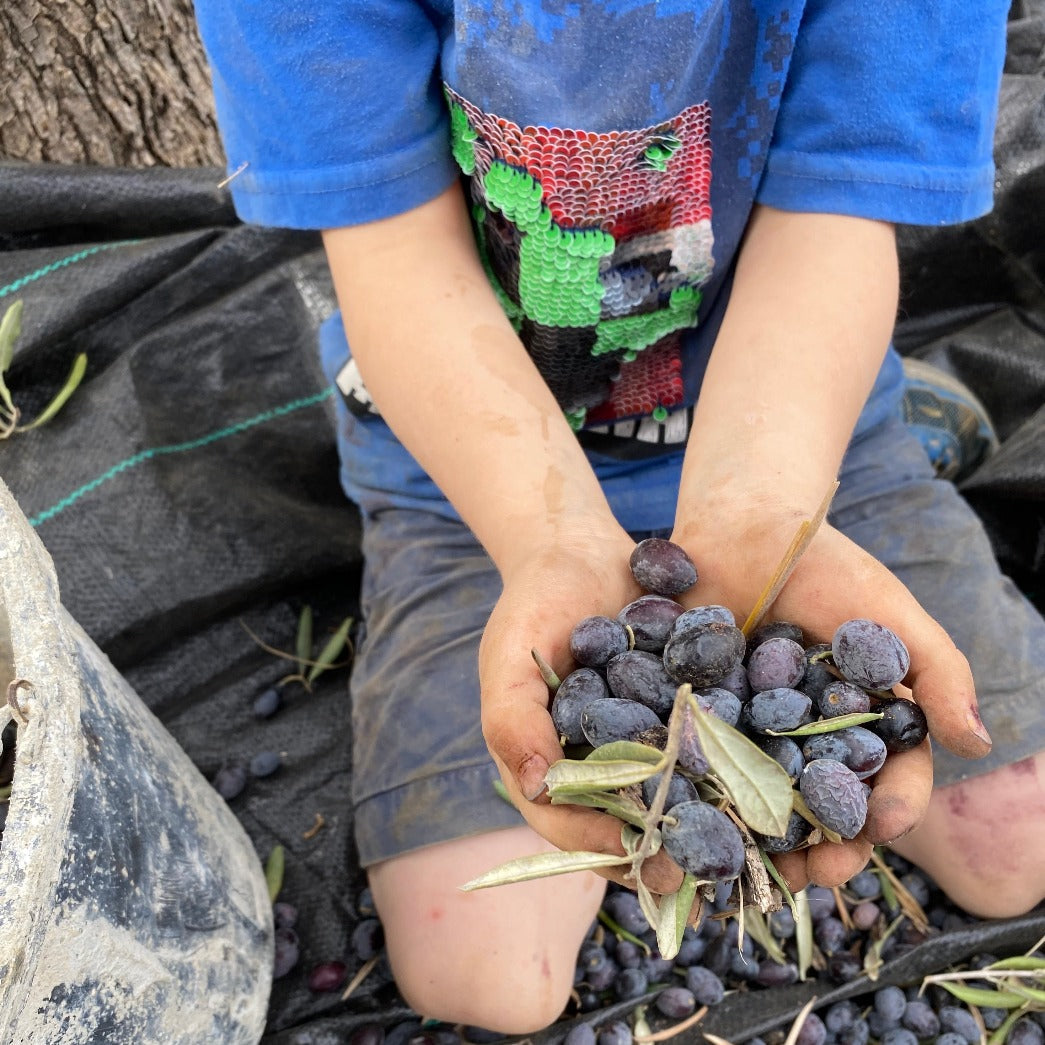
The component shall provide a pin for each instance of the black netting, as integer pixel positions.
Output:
(189, 496)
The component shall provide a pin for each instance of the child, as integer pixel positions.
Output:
(549, 227)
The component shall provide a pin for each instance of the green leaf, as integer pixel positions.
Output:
(274, 871)
(72, 382)
(10, 330)
(569, 776)
(543, 865)
(551, 680)
(757, 927)
(803, 934)
(983, 996)
(1032, 994)
(892, 901)
(649, 906)
(781, 884)
(829, 725)
(1002, 1032)
(303, 642)
(332, 650)
(873, 957)
(758, 785)
(1020, 961)
(621, 807)
(674, 917)
(626, 751)
(623, 934)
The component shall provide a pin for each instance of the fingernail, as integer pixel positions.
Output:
(531, 777)
(976, 726)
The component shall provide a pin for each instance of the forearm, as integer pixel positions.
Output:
(455, 384)
(809, 319)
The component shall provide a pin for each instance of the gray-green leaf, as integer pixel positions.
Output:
(674, 917)
(983, 997)
(303, 642)
(803, 934)
(626, 751)
(72, 382)
(829, 725)
(620, 806)
(332, 650)
(10, 329)
(570, 776)
(758, 785)
(274, 866)
(543, 865)
(757, 928)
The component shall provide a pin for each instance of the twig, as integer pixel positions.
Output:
(796, 1027)
(315, 828)
(360, 976)
(678, 1028)
(803, 536)
(910, 906)
(670, 757)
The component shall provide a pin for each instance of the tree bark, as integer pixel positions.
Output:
(105, 82)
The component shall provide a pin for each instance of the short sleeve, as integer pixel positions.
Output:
(889, 111)
(330, 112)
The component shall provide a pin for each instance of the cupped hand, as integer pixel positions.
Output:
(737, 552)
(544, 597)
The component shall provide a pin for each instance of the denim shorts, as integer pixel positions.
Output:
(421, 770)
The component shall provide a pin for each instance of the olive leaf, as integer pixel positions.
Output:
(984, 997)
(648, 904)
(758, 929)
(10, 329)
(758, 785)
(72, 382)
(303, 640)
(331, 651)
(551, 680)
(541, 865)
(781, 883)
(620, 806)
(873, 960)
(1019, 961)
(626, 751)
(673, 914)
(1002, 1032)
(803, 934)
(274, 867)
(572, 776)
(829, 725)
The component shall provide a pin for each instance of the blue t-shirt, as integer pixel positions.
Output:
(613, 150)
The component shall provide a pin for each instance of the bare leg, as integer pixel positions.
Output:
(983, 840)
(500, 958)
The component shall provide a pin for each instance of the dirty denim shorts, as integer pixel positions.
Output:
(421, 771)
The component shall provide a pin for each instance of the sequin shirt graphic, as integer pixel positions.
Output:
(597, 246)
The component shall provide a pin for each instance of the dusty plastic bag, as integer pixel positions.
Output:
(133, 906)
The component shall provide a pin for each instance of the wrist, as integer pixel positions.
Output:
(585, 533)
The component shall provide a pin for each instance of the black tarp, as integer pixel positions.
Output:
(188, 492)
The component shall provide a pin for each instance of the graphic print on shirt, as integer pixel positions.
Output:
(598, 245)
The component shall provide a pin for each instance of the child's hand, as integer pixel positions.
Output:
(543, 599)
(835, 581)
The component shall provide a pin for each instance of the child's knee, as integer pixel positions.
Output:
(502, 959)
(983, 841)
(502, 995)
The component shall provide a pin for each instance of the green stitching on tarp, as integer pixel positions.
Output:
(179, 448)
(80, 255)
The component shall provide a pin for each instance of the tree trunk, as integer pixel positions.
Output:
(105, 82)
